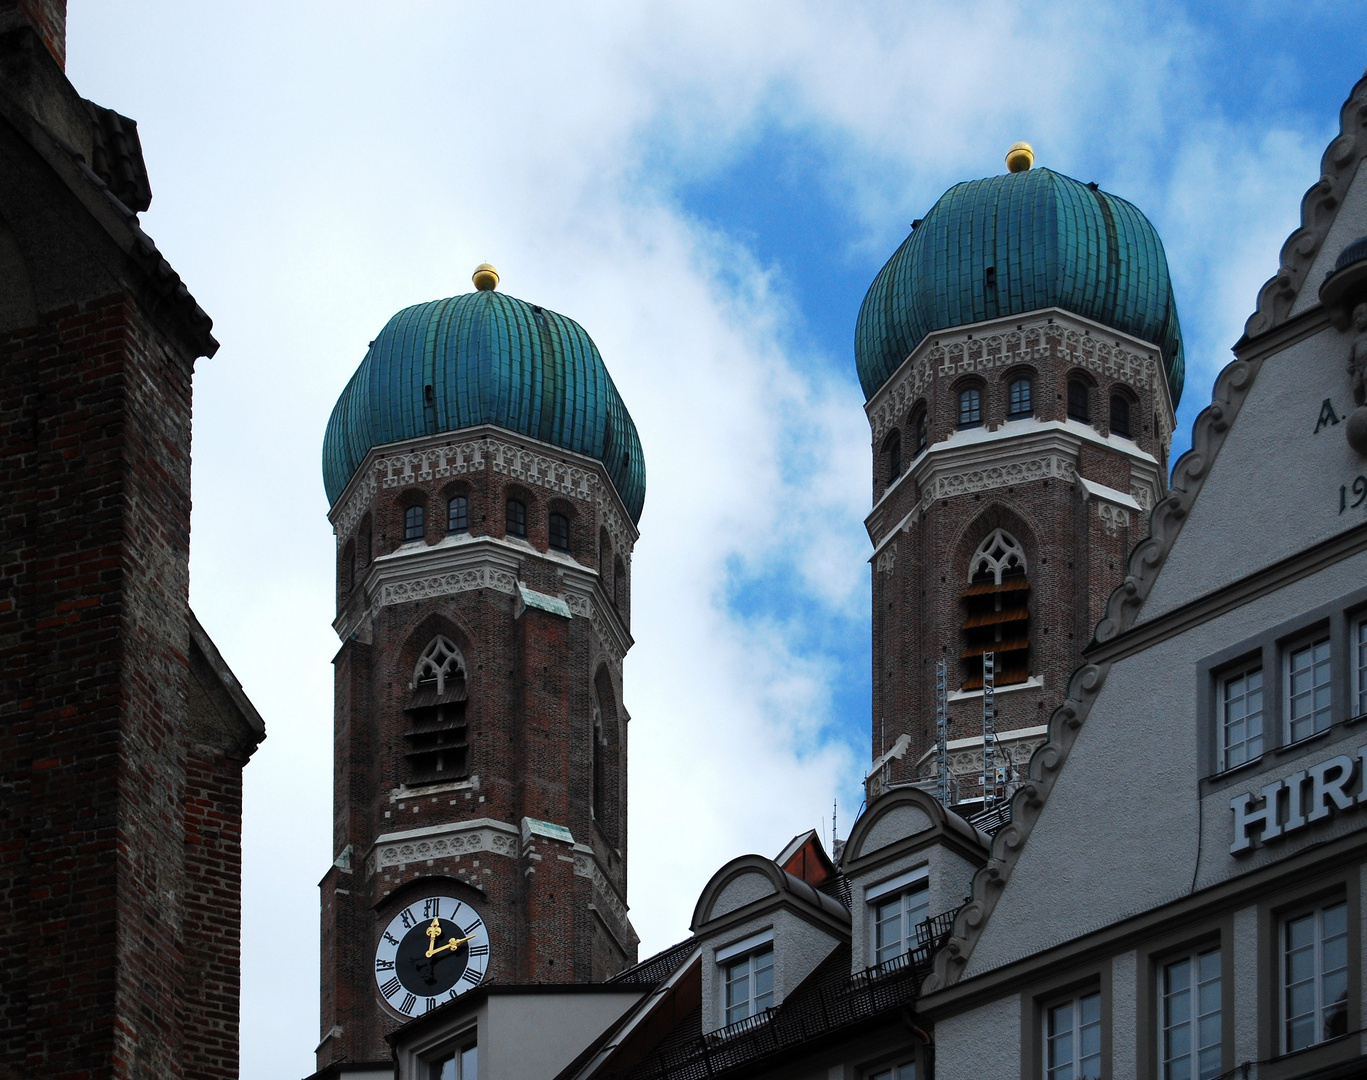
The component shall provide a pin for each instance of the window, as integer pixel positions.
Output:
(365, 540)
(1018, 398)
(750, 985)
(413, 523)
(516, 520)
(560, 532)
(970, 407)
(895, 919)
(619, 586)
(1307, 689)
(458, 514)
(905, 1071)
(1315, 977)
(1191, 1047)
(996, 613)
(1072, 1039)
(921, 425)
(1242, 717)
(892, 450)
(462, 1065)
(1120, 415)
(436, 738)
(1360, 662)
(599, 787)
(1078, 406)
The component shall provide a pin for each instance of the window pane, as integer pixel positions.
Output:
(763, 967)
(1120, 415)
(458, 514)
(1059, 1053)
(1020, 397)
(970, 407)
(469, 1063)
(412, 523)
(444, 1069)
(1077, 400)
(1362, 668)
(560, 532)
(1243, 718)
(516, 523)
(888, 930)
(917, 909)
(1308, 690)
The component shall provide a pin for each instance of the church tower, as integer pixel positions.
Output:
(485, 481)
(1021, 359)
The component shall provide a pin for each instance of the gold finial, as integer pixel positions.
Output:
(486, 277)
(1020, 157)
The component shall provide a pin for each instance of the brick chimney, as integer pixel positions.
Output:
(47, 17)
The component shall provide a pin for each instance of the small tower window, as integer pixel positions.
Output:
(921, 425)
(970, 407)
(997, 612)
(458, 514)
(436, 737)
(599, 785)
(892, 450)
(413, 523)
(560, 532)
(516, 520)
(1077, 401)
(1120, 415)
(619, 586)
(1018, 403)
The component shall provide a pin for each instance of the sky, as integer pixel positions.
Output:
(709, 189)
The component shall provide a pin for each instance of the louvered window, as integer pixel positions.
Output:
(436, 739)
(996, 612)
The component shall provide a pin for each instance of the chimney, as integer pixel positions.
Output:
(48, 19)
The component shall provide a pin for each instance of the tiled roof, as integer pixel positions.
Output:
(1010, 244)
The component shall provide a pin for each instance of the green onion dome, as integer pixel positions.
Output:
(1048, 241)
(484, 358)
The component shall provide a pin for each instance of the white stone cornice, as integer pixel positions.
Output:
(999, 343)
(528, 461)
(478, 836)
(611, 907)
(1018, 452)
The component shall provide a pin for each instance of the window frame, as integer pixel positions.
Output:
(1193, 1019)
(452, 529)
(1013, 381)
(1340, 885)
(1120, 395)
(1153, 956)
(1240, 672)
(433, 1064)
(745, 952)
(508, 531)
(1314, 911)
(551, 531)
(1357, 666)
(903, 1066)
(1038, 998)
(414, 523)
(919, 426)
(959, 394)
(1074, 1000)
(1289, 650)
(1086, 417)
(1271, 649)
(901, 888)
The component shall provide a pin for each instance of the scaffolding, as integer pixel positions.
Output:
(989, 731)
(941, 732)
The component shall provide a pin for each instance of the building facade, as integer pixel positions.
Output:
(485, 481)
(1022, 361)
(123, 733)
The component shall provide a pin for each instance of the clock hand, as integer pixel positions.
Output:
(452, 943)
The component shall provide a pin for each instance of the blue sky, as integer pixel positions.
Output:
(708, 188)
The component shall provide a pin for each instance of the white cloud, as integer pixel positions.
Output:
(316, 168)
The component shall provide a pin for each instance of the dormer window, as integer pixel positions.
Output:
(896, 908)
(750, 984)
(970, 407)
(1018, 399)
(515, 521)
(413, 523)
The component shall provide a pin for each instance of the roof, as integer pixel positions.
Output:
(1006, 245)
(484, 358)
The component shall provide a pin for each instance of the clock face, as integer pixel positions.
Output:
(431, 951)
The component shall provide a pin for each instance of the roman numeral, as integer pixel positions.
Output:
(408, 920)
(469, 930)
(384, 965)
(390, 938)
(452, 995)
(471, 976)
(391, 988)
(431, 1004)
(431, 909)
(409, 1001)
(479, 950)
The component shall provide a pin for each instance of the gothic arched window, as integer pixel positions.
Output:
(560, 532)
(997, 612)
(516, 519)
(920, 424)
(436, 736)
(1120, 415)
(970, 407)
(413, 523)
(1078, 405)
(458, 514)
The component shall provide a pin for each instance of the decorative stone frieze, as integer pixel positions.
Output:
(480, 836)
(610, 907)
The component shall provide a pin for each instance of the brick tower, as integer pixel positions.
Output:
(122, 732)
(1021, 359)
(485, 481)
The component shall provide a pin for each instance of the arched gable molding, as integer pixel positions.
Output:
(998, 514)
(774, 885)
(420, 634)
(895, 803)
